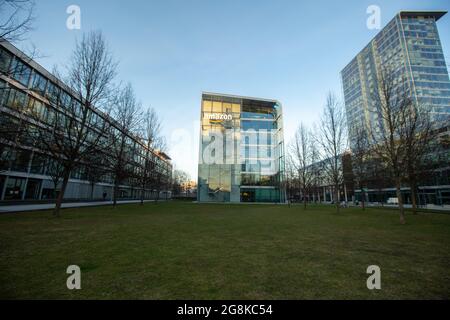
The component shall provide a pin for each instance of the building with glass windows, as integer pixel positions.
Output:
(410, 46)
(25, 167)
(241, 150)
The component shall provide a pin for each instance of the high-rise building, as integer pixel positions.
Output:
(410, 46)
(241, 150)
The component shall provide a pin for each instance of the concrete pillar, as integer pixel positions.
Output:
(41, 187)
(2, 195)
(24, 189)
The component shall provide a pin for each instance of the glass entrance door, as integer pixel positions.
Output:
(32, 191)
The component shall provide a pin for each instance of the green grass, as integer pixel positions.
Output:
(181, 250)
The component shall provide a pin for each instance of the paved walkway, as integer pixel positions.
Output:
(46, 206)
(408, 206)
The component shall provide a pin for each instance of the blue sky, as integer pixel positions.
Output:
(171, 51)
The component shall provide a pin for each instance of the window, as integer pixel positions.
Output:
(16, 100)
(52, 93)
(4, 90)
(66, 99)
(38, 83)
(258, 112)
(9, 127)
(5, 60)
(21, 72)
(21, 160)
(76, 108)
(39, 110)
(207, 106)
(14, 188)
(50, 115)
(20, 100)
(217, 107)
(258, 125)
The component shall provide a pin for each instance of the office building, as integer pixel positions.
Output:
(25, 168)
(241, 150)
(410, 47)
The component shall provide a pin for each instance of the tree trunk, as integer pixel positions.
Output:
(414, 197)
(142, 196)
(400, 202)
(157, 196)
(337, 199)
(363, 198)
(92, 191)
(59, 199)
(115, 192)
(304, 199)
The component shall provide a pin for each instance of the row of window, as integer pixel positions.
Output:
(220, 107)
(38, 163)
(30, 78)
(433, 92)
(429, 70)
(433, 85)
(423, 42)
(256, 179)
(420, 34)
(430, 77)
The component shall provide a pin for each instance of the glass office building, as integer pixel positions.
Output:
(31, 98)
(409, 44)
(241, 150)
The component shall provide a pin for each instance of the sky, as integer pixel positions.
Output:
(171, 51)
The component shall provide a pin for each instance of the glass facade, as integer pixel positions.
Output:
(29, 93)
(409, 44)
(241, 150)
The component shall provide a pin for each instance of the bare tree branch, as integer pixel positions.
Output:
(16, 19)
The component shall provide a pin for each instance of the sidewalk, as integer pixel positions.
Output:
(408, 206)
(46, 206)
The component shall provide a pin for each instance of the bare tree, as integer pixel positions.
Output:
(95, 169)
(419, 139)
(316, 170)
(159, 179)
(12, 133)
(127, 114)
(151, 136)
(74, 129)
(16, 19)
(55, 169)
(332, 140)
(302, 157)
(180, 180)
(290, 178)
(360, 153)
(392, 105)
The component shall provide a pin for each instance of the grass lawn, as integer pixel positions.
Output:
(182, 250)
